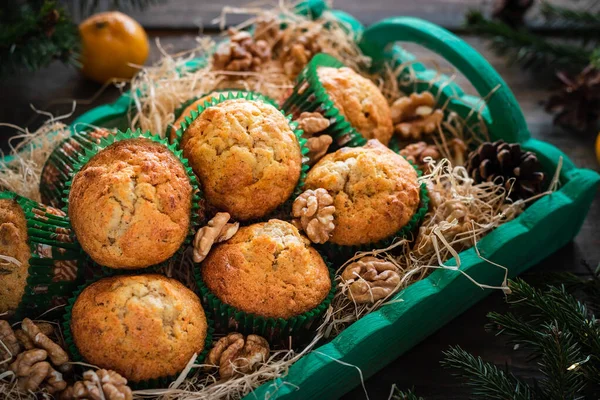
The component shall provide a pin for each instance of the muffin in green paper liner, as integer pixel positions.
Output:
(356, 108)
(41, 262)
(267, 280)
(192, 104)
(376, 196)
(59, 165)
(133, 201)
(248, 156)
(153, 326)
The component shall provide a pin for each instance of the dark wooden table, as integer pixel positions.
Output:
(175, 24)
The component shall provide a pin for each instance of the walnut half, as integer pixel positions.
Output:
(235, 355)
(414, 116)
(370, 279)
(217, 230)
(313, 212)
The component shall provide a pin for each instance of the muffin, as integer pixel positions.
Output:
(130, 204)
(359, 101)
(142, 326)
(246, 156)
(375, 192)
(35, 241)
(14, 248)
(187, 112)
(269, 270)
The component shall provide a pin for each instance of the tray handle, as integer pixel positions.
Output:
(507, 120)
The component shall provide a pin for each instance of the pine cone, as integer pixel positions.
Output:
(577, 104)
(507, 164)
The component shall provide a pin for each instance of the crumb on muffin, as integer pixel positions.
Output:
(130, 205)
(13, 244)
(188, 111)
(375, 192)
(246, 156)
(267, 269)
(142, 326)
(359, 101)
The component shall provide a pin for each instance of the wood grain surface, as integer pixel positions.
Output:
(53, 89)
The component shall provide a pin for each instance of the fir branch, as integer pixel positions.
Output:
(31, 38)
(398, 394)
(553, 12)
(525, 48)
(557, 305)
(560, 352)
(486, 379)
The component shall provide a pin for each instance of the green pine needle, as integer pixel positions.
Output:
(398, 394)
(553, 12)
(31, 38)
(525, 48)
(485, 379)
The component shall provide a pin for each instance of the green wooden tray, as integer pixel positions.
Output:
(548, 224)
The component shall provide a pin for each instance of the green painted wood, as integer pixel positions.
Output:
(507, 120)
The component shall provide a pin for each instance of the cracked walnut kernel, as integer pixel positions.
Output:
(99, 385)
(217, 230)
(34, 372)
(414, 116)
(314, 209)
(370, 279)
(241, 53)
(236, 355)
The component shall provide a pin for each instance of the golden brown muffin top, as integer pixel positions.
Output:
(13, 244)
(245, 155)
(187, 112)
(142, 326)
(375, 192)
(130, 204)
(359, 101)
(267, 269)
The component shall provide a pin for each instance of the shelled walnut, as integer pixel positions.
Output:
(415, 116)
(241, 53)
(36, 366)
(217, 230)
(313, 124)
(235, 355)
(417, 152)
(370, 279)
(298, 52)
(313, 212)
(99, 385)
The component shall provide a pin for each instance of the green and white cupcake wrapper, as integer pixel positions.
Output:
(224, 96)
(230, 319)
(309, 95)
(335, 251)
(59, 165)
(162, 382)
(56, 263)
(130, 135)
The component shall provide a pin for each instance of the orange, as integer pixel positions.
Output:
(598, 148)
(111, 41)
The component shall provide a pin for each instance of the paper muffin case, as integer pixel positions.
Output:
(162, 382)
(229, 319)
(196, 193)
(336, 251)
(284, 208)
(56, 262)
(309, 95)
(59, 165)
